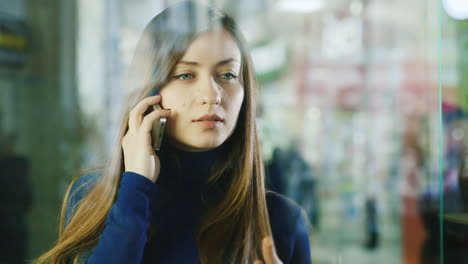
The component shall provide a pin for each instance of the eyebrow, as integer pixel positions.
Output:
(226, 61)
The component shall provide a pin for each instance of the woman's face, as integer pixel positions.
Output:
(204, 82)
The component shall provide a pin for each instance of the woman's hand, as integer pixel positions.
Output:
(139, 155)
(269, 253)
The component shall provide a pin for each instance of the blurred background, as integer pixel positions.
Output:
(363, 116)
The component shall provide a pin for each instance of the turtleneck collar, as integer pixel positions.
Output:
(198, 162)
(183, 194)
(195, 166)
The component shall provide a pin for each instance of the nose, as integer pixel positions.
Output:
(209, 92)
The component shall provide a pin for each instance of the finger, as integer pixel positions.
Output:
(258, 262)
(269, 252)
(151, 118)
(136, 114)
(157, 106)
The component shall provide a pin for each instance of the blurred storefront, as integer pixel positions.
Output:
(362, 113)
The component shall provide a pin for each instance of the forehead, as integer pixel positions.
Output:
(213, 46)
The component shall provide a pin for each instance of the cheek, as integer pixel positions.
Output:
(176, 103)
(237, 97)
(173, 100)
(234, 104)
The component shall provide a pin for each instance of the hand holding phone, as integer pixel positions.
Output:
(157, 132)
(138, 152)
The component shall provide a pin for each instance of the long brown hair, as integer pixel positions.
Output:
(232, 229)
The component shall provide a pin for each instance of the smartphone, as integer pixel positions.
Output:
(157, 131)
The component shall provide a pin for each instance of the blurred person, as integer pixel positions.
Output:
(15, 201)
(201, 198)
(288, 173)
(274, 172)
(371, 223)
(412, 166)
(454, 237)
(463, 177)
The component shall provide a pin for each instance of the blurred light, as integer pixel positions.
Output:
(458, 134)
(313, 113)
(270, 57)
(342, 37)
(299, 6)
(356, 7)
(457, 9)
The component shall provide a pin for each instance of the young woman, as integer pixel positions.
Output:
(202, 197)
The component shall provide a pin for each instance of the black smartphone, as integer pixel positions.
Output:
(157, 131)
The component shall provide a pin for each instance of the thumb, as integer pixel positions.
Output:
(269, 252)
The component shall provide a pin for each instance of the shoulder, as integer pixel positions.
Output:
(79, 188)
(281, 205)
(82, 185)
(289, 225)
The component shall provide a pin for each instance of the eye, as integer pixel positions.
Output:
(184, 76)
(228, 76)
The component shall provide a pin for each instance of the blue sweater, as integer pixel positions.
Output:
(173, 205)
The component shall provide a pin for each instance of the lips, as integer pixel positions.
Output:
(209, 118)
